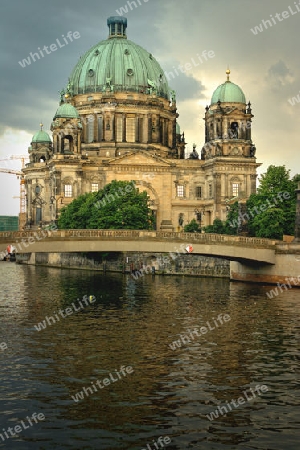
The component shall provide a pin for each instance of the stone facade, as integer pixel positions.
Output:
(108, 131)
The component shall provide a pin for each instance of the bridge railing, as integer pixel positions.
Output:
(201, 238)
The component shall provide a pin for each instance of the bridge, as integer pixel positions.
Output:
(242, 249)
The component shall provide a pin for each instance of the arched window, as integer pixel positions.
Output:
(234, 130)
(68, 144)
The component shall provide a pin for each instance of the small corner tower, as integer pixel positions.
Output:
(67, 129)
(228, 151)
(41, 147)
(228, 122)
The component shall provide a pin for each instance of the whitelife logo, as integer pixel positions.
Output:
(3, 346)
(186, 338)
(222, 410)
(159, 444)
(123, 372)
(53, 47)
(17, 429)
(124, 9)
(68, 312)
(294, 100)
(267, 23)
(274, 292)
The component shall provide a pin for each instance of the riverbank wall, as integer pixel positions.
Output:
(132, 262)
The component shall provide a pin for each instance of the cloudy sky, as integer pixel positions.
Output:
(266, 65)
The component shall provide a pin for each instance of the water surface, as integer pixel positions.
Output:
(169, 392)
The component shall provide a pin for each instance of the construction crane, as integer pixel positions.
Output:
(15, 172)
(22, 215)
(21, 157)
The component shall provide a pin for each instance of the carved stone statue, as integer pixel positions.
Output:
(62, 95)
(194, 154)
(218, 151)
(70, 89)
(108, 87)
(180, 219)
(173, 96)
(152, 87)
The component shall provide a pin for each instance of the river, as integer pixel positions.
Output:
(105, 372)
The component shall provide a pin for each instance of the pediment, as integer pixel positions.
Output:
(140, 158)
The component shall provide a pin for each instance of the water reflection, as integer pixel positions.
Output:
(170, 392)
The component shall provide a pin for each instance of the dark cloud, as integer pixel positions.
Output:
(266, 65)
(279, 75)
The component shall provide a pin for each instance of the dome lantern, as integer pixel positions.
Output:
(117, 27)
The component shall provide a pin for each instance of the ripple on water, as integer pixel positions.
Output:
(170, 392)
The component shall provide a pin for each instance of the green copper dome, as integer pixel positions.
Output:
(41, 136)
(66, 111)
(118, 64)
(228, 92)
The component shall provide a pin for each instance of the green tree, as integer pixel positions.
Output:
(232, 222)
(192, 227)
(275, 180)
(217, 227)
(272, 211)
(119, 205)
(269, 224)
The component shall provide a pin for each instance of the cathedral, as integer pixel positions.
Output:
(117, 120)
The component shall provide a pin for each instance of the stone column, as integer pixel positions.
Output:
(137, 128)
(297, 224)
(253, 183)
(55, 145)
(113, 136)
(172, 134)
(60, 146)
(248, 131)
(124, 128)
(78, 142)
(28, 186)
(215, 129)
(227, 191)
(225, 128)
(223, 185)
